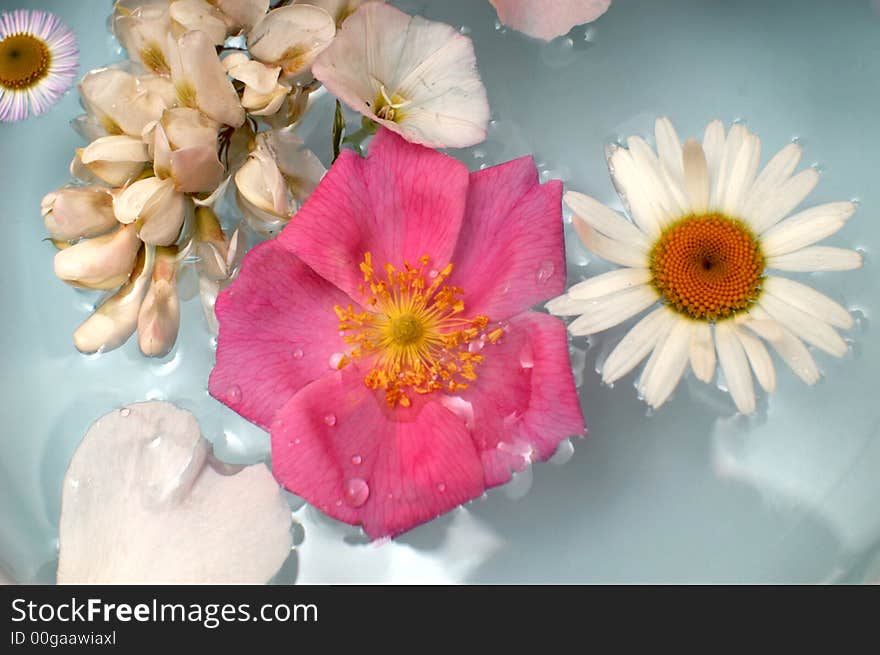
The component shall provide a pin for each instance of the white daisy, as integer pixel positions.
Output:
(38, 63)
(705, 228)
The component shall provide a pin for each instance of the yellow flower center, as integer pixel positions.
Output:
(24, 61)
(707, 267)
(414, 333)
(387, 107)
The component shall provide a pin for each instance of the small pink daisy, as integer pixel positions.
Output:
(385, 337)
(38, 63)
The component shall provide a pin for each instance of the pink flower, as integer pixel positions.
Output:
(385, 338)
(547, 20)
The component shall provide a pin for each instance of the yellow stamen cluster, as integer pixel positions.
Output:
(24, 61)
(414, 332)
(708, 267)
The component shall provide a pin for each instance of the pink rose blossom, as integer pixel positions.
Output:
(385, 338)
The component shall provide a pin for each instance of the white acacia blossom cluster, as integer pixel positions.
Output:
(205, 106)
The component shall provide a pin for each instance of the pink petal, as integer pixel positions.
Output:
(277, 333)
(510, 253)
(547, 20)
(337, 444)
(401, 202)
(524, 399)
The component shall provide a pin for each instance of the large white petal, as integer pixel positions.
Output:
(145, 502)
(713, 145)
(759, 358)
(810, 301)
(620, 279)
(696, 176)
(777, 171)
(781, 203)
(605, 220)
(742, 175)
(671, 358)
(548, 20)
(104, 262)
(634, 188)
(812, 330)
(608, 311)
(243, 13)
(735, 366)
(77, 212)
(291, 37)
(729, 153)
(619, 252)
(159, 317)
(129, 204)
(792, 350)
(669, 148)
(636, 345)
(200, 79)
(199, 15)
(702, 352)
(806, 228)
(817, 258)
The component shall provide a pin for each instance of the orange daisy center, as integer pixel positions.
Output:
(707, 267)
(414, 332)
(24, 61)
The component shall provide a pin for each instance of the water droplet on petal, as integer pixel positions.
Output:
(461, 408)
(335, 359)
(330, 419)
(546, 271)
(433, 273)
(441, 487)
(527, 356)
(356, 460)
(155, 442)
(125, 411)
(476, 346)
(233, 394)
(356, 492)
(73, 482)
(298, 353)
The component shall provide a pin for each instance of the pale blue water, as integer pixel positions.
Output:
(686, 495)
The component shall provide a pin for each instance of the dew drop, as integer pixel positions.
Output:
(155, 442)
(441, 487)
(461, 408)
(335, 360)
(546, 271)
(356, 460)
(330, 419)
(298, 353)
(356, 492)
(433, 273)
(233, 394)
(527, 356)
(125, 411)
(73, 482)
(476, 346)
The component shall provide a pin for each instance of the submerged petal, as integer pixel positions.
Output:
(104, 262)
(159, 317)
(78, 212)
(546, 21)
(145, 502)
(291, 37)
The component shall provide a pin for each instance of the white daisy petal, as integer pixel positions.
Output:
(806, 228)
(636, 345)
(565, 305)
(817, 258)
(781, 203)
(633, 188)
(658, 187)
(759, 358)
(768, 328)
(791, 349)
(729, 153)
(810, 329)
(670, 360)
(713, 146)
(702, 352)
(735, 366)
(696, 176)
(669, 148)
(610, 282)
(810, 301)
(611, 250)
(777, 171)
(742, 175)
(605, 220)
(608, 311)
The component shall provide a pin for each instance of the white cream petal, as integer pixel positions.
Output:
(810, 329)
(806, 228)
(198, 69)
(702, 352)
(665, 195)
(145, 502)
(77, 212)
(759, 358)
(766, 328)
(742, 175)
(199, 15)
(782, 202)
(634, 189)
(713, 145)
(291, 37)
(792, 350)
(619, 279)
(696, 176)
(104, 262)
(735, 366)
(817, 258)
(671, 358)
(669, 148)
(257, 76)
(159, 317)
(810, 301)
(243, 13)
(608, 311)
(197, 170)
(636, 344)
(565, 305)
(729, 153)
(777, 171)
(605, 220)
(611, 250)
(128, 205)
